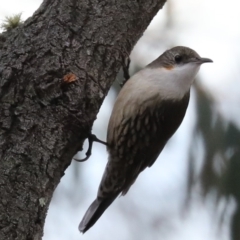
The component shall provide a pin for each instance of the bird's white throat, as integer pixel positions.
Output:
(171, 83)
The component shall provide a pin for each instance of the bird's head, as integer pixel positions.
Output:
(177, 67)
(178, 57)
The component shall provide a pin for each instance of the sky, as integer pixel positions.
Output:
(155, 202)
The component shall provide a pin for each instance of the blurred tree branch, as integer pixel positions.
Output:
(221, 160)
(55, 70)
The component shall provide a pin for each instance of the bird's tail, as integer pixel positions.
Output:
(94, 212)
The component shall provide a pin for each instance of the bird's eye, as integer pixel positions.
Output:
(178, 58)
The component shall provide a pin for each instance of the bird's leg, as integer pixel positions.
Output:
(95, 139)
(126, 64)
(91, 138)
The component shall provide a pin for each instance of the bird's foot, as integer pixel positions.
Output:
(125, 68)
(91, 138)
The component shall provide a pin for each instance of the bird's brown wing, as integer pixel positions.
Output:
(136, 141)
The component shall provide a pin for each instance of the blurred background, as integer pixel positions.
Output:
(192, 192)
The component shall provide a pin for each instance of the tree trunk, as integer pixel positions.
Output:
(55, 71)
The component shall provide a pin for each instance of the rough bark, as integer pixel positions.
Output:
(44, 119)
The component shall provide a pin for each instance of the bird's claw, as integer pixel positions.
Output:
(125, 68)
(91, 138)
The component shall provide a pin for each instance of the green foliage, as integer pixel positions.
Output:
(11, 22)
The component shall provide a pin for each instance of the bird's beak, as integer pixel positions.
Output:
(204, 60)
(200, 60)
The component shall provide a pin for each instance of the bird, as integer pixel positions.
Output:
(147, 112)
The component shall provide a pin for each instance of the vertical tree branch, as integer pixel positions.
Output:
(55, 71)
